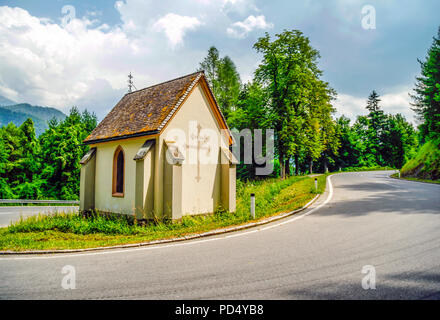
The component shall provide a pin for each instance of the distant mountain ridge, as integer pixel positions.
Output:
(6, 102)
(18, 113)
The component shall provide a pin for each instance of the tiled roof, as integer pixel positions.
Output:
(145, 111)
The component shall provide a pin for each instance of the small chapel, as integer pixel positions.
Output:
(161, 153)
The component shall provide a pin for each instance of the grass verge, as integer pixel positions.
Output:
(426, 164)
(358, 169)
(396, 175)
(38, 205)
(72, 231)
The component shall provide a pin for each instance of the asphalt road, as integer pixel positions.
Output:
(368, 219)
(13, 213)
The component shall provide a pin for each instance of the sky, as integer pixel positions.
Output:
(63, 53)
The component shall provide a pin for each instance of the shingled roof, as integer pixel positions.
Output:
(146, 111)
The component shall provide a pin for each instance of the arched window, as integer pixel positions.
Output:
(118, 172)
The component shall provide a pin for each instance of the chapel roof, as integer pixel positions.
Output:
(147, 111)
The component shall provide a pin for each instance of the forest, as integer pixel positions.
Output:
(287, 94)
(44, 167)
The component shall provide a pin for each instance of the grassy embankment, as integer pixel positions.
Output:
(359, 169)
(396, 175)
(72, 231)
(425, 166)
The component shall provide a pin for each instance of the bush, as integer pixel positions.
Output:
(76, 223)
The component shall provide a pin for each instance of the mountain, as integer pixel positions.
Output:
(6, 102)
(17, 118)
(18, 113)
(43, 113)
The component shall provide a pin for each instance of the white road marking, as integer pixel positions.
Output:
(191, 242)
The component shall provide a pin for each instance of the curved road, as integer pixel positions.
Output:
(368, 219)
(13, 213)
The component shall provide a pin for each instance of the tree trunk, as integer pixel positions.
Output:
(311, 166)
(296, 165)
(282, 171)
(325, 166)
(287, 167)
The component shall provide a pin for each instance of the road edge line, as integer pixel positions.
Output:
(189, 237)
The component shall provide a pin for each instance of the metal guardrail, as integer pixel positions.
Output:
(20, 201)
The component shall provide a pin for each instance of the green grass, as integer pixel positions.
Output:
(396, 175)
(358, 169)
(72, 231)
(38, 205)
(426, 164)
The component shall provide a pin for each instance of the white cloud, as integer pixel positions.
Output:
(391, 103)
(175, 27)
(349, 106)
(48, 64)
(241, 29)
(204, 2)
(238, 6)
(86, 63)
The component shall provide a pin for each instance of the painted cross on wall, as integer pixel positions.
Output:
(200, 145)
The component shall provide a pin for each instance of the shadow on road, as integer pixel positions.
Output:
(407, 286)
(372, 197)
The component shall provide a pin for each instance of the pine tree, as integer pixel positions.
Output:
(30, 150)
(62, 150)
(426, 97)
(229, 85)
(375, 128)
(223, 79)
(211, 65)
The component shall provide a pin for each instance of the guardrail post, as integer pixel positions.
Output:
(253, 205)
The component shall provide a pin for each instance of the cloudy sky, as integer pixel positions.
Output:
(63, 53)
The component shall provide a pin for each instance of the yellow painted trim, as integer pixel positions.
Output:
(146, 137)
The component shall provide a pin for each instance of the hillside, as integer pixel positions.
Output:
(17, 118)
(426, 164)
(18, 113)
(6, 102)
(43, 113)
